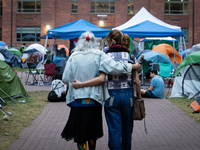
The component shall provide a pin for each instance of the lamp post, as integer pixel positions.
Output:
(11, 22)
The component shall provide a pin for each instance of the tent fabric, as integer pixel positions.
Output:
(195, 48)
(34, 58)
(15, 51)
(156, 57)
(3, 45)
(187, 82)
(168, 51)
(150, 29)
(144, 15)
(192, 58)
(75, 29)
(10, 83)
(2, 57)
(150, 43)
(142, 52)
(34, 48)
(8, 56)
(66, 49)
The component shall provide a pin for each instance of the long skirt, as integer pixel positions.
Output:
(84, 124)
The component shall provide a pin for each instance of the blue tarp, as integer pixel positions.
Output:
(150, 29)
(75, 29)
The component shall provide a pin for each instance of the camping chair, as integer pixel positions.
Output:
(34, 72)
(165, 71)
(49, 71)
(145, 70)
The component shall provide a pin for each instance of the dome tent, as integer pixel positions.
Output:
(10, 83)
(187, 79)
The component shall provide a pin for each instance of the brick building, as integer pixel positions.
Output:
(33, 16)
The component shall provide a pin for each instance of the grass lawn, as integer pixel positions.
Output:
(22, 116)
(183, 103)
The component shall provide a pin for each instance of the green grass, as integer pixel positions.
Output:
(183, 103)
(23, 115)
(18, 69)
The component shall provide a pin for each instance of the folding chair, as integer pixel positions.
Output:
(34, 72)
(49, 71)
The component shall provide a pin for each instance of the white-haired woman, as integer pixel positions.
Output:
(87, 62)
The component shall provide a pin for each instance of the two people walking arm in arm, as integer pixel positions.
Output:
(98, 80)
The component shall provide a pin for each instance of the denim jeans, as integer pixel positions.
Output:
(118, 110)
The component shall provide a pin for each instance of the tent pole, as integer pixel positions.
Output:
(184, 44)
(174, 51)
(52, 46)
(43, 58)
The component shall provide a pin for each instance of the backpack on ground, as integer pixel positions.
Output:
(196, 106)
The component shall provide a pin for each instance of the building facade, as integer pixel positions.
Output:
(22, 17)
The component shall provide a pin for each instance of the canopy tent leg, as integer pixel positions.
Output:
(174, 51)
(43, 59)
(184, 44)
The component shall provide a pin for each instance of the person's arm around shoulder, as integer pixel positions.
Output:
(95, 81)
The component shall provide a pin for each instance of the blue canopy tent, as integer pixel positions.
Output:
(150, 29)
(75, 29)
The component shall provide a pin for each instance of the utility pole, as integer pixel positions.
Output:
(193, 24)
(11, 23)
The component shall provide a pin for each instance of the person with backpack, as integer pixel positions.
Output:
(23, 47)
(87, 62)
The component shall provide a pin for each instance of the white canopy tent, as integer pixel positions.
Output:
(144, 15)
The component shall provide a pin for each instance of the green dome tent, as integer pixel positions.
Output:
(15, 51)
(9, 82)
(187, 77)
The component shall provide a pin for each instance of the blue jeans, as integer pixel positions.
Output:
(118, 110)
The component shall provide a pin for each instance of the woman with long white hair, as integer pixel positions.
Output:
(87, 62)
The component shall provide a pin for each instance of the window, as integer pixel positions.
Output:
(185, 34)
(74, 6)
(130, 7)
(28, 6)
(103, 6)
(22, 31)
(176, 6)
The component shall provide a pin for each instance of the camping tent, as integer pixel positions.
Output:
(34, 48)
(187, 79)
(195, 48)
(9, 57)
(156, 57)
(9, 82)
(3, 45)
(142, 16)
(75, 29)
(15, 51)
(168, 51)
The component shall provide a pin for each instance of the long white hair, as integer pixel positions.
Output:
(86, 42)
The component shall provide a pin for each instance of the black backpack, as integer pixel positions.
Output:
(52, 96)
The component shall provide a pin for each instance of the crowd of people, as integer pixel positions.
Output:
(95, 78)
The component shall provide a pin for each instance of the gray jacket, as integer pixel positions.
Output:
(86, 65)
